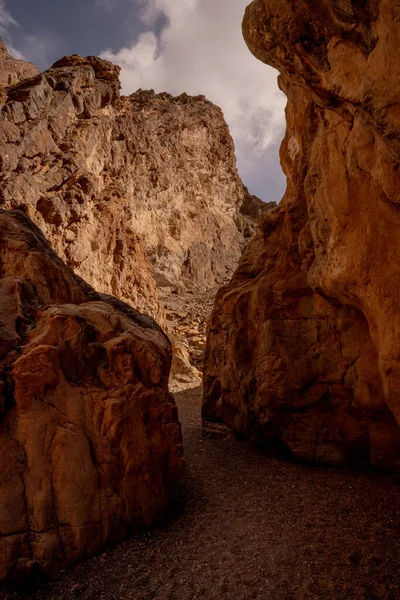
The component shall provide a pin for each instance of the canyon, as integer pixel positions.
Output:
(139, 195)
(126, 238)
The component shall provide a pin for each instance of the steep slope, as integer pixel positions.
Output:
(139, 195)
(12, 70)
(304, 343)
(133, 193)
(90, 444)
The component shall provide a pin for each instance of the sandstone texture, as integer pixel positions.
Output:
(89, 435)
(12, 70)
(304, 342)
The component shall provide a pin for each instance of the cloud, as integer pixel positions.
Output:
(106, 4)
(6, 23)
(6, 20)
(38, 49)
(201, 51)
(16, 53)
(30, 47)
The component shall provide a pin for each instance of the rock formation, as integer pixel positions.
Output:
(304, 342)
(105, 176)
(12, 70)
(89, 436)
(139, 195)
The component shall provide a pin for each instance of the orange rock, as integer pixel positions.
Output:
(89, 434)
(303, 347)
(183, 375)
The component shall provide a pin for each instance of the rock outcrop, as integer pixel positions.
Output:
(139, 195)
(304, 342)
(12, 70)
(145, 184)
(89, 435)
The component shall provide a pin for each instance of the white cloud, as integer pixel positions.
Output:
(30, 47)
(37, 49)
(16, 53)
(6, 20)
(201, 51)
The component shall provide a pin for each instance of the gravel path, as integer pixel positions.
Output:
(246, 526)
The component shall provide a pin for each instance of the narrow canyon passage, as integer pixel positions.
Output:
(248, 526)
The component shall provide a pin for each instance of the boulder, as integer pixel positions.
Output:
(89, 434)
(183, 375)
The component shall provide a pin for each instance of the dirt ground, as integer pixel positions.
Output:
(246, 526)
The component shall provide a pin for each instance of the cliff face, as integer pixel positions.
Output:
(133, 193)
(89, 434)
(304, 342)
(12, 70)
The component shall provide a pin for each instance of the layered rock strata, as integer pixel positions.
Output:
(89, 434)
(303, 347)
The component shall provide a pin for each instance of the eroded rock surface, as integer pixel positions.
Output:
(304, 344)
(140, 196)
(89, 434)
(133, 193)
(12, 70)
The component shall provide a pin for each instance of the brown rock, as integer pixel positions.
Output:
(12, 71)
(303, 344)
(133, 193)
(183, 374)
(140, 196)
(89, 437)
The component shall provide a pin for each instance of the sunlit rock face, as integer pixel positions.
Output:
(139, 195)
(136, 193)
(304, 343)
(12, 71)
(90, 444)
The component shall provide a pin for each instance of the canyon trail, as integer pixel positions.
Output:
(246, 526)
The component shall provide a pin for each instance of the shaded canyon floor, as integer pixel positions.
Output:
(247, 526)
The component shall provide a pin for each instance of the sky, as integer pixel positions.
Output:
(192, 46)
